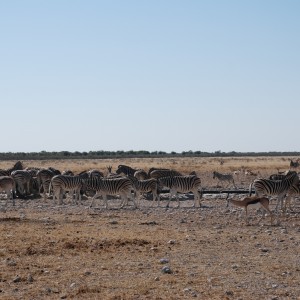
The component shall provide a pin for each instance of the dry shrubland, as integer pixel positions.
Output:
(73, 252)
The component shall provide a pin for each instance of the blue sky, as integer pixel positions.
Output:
(150, 75)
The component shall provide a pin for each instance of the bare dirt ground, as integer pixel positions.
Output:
(74, 252)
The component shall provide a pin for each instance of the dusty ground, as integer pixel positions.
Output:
(73, 252)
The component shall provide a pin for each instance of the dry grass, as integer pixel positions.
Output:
(72, 252)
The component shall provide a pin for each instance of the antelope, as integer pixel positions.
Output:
(262, 202)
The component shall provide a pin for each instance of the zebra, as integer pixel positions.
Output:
(293, 191)
(224, 177)
(153, 169)
(113, 186)
(67, 172)
(44, 177)
(164, 173)
(17, 166)
(277, 177)
(95, 173)
(8, 185)
(182, 184)
(145, 186)
(126, 170)
(294, 164)
(141, 175)
(272, 187)
(22, 179)
(62, 183)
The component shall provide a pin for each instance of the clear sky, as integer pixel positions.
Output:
(159, 75)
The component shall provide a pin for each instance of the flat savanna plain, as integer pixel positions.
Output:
(74, 252)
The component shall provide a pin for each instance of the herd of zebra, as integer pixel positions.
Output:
(126, 182)
(129, 184)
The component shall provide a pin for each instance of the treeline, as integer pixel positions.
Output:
(43, 155)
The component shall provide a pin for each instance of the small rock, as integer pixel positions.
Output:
(264, 250)
(30, 278)
(156, 278)
(166, 270)
(17, 279)
(72, 284)
(229, 293)
(113, 222)
(163, 260)
(171, 242)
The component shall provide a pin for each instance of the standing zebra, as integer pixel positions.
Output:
(126, 170)
(44, 177)
(164, 173)
(22, 179)
(8, 185)
(224, 177)
(110, 186)
(293, 192)
(182, 184)
(63, 183)
(145, 186)
(266, 187)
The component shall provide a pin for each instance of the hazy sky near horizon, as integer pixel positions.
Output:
(163, 75)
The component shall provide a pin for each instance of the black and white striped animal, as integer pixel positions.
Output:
(44, 177)
(182, 184)
(224, 177)
(65, 183)
(111, 186)
(125, 170)
(145, 186)
(141, 175)
(294, 164)
(277, 177)
(279, 188)
(164, 173)
(17, 166)
(8, 185)
(292, 193)
(22, 179)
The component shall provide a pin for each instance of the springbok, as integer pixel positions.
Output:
(261, 202)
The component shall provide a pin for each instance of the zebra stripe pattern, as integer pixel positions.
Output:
(44, 177)
(113, 186)
(125, 170)
(164, 173)
(145, 186)
(294, 191)
(182, 184)
(8, 185)
(65, 183)
(22, 179)
(224, 177)
(277, 188)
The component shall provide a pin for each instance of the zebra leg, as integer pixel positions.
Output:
(178, 201)
(124, 199)
(133, 200)
(246, 212)
(105, 200)
(170, 197)
(279, 201)
(93, 199)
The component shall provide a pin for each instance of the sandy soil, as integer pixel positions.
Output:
(74, 252)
